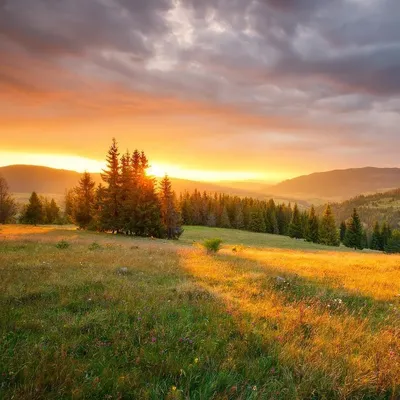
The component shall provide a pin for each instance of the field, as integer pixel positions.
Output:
(97, 316)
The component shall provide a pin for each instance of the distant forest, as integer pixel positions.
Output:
(130, 202)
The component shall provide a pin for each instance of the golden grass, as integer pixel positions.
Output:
(374, 275)
(312, 342)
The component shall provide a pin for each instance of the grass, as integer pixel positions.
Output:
(111, 317)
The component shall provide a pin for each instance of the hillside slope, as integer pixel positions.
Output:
(340, 184)
(375, 207)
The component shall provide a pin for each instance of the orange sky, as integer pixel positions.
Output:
(208, 92)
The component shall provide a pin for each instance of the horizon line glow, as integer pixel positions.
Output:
(82, 164)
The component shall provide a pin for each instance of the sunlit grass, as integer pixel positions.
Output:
(111, 317)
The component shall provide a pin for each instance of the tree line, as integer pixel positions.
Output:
(130, 202)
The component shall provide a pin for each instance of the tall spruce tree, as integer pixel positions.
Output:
(8, 206)
(328, 234)
(171, 216)
(34, 212)
(83, 208)
(376, 240)
(295, 227)
(354, 232)
(257, 222)
(342, 231)
(393, 244)
(112, 202)
(312, 230)
(386, 235)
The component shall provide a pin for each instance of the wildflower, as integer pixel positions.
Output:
(254, 388)
(173, 388)
(196, 360)
(153, 339)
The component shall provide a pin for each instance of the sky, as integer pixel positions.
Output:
(210, 89)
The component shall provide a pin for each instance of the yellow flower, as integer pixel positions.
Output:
(196, 360)
(173, 388)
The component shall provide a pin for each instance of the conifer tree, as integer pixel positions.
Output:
(8, 206)
(376, 240)
(295, 227)
(312, 230)
(386, 235)
(148, 214)
(328, 234)
(112, 202)
(354, 232)
(171, 216)
(34, 213)
(52, 212)
(342, 231)
(257, 222)
(238, 221)
(393, 244)
(69, 199)
(83, 209)
(225, 222)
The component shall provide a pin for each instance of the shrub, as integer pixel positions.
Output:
(95, 246)
(62, 244)
(212, 245)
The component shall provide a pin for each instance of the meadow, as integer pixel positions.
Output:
(97, 316)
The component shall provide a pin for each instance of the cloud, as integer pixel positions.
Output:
(320, 72)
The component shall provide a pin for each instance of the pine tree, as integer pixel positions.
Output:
(238, 221)
(34, 213)
(257, 222)
(354, 232)
(225, 222)
(83, 209)
(295, 227)
(328, 234)
(125, 193)
(112, 203)
(342, 231)
(148, 213)
(393, 244)
(69, 199)
(171, 216)
(376, 241)
(312, 231)
(52, 212)
(8, 206)
(386, 235)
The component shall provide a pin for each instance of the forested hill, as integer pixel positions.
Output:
(375, 207)
(340, 184)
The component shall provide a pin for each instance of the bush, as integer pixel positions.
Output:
(62, 244)
(212, 245)
(95, 246)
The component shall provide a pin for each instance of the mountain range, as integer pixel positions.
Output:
(337, 185)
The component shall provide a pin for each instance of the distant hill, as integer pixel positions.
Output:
(339, 184)
(375, 207)
(24, 179)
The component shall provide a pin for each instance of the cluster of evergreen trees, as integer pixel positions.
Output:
(128, 202)
(225, 211)
(41, 210)
(258, 216)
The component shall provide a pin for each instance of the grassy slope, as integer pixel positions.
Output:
(183, 324)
